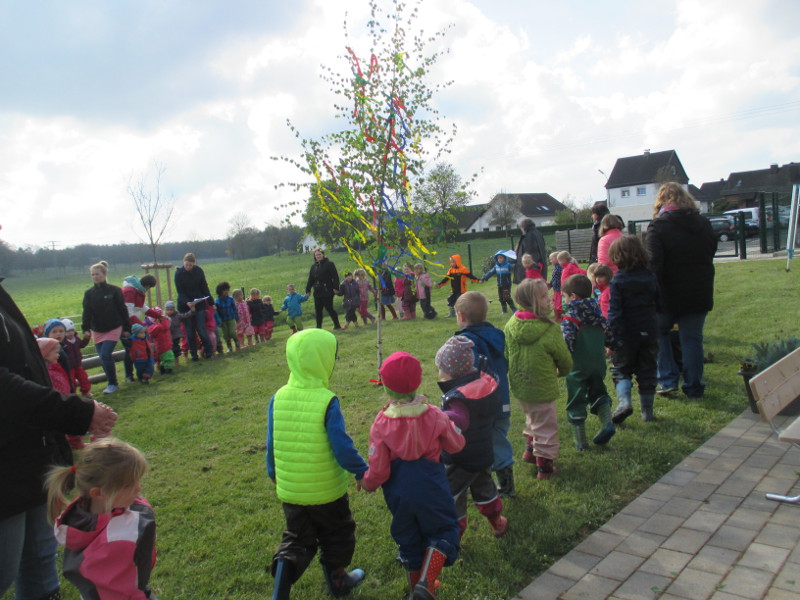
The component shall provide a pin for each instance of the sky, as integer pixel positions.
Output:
(545, 95)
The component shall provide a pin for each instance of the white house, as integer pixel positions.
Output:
(541, 207)
(634, 182)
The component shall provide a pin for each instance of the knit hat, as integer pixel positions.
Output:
(49, 324)
(136, 328)
(46, 345)
(456, 357)
(68, 324)
(401, 373)
(154, 312)
(169, 305)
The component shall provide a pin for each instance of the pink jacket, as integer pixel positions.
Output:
(568, 271)
(408, 432)
(59, 378)
(110, 555)
(604, 244)
(422, 282)
(398, 286)
(605, 298)
(364, 288)
(160, 335)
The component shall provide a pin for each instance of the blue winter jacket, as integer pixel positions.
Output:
(503, 272)
(491, 342)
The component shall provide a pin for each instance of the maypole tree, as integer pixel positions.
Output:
(361, 176)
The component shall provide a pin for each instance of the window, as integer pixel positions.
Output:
(625, 193)
(641, 191)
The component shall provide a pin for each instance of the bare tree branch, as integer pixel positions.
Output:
(153, 209)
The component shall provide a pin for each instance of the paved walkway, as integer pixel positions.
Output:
(704, 531)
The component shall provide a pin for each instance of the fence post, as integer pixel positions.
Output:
(569, 242)
(741, 235)
(469, 255)
(762, 222)
(632, 227)
(775, 223)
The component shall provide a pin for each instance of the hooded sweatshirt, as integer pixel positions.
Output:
(134, 294)
(491, 342)
(458, 276)
(110, 555)
(503, 271)
(537, 357)
(305, 420)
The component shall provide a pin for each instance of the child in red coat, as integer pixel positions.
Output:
(161, 337)
(51, 350)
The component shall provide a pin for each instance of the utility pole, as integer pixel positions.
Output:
(53, 249)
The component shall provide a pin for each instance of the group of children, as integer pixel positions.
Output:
(426, 458)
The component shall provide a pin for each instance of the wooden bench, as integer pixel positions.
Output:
(774, 389)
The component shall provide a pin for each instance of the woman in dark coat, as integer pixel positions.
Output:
(599, 210)
(35, 419)
(193, 293)
(324, 280)
(681, 245)
(106, 316)
(531, 242)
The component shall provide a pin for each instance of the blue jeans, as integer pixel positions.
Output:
(690, 332)
(105, 350)
(28, 555)
(197, 324)
(503, 451)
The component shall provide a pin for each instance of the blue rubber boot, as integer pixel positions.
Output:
(340, 582)
(624, 408)
(607, 432)
(283, 579)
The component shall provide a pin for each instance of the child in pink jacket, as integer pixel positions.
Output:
(406, 442)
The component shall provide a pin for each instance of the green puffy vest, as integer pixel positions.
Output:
(306, 470)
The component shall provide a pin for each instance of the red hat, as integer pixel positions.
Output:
(401, 373)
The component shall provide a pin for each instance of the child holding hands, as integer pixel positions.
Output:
(405, 445)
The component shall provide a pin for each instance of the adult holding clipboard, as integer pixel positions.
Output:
(193, 296)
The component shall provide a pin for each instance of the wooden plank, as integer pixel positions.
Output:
(792, 433)
(777, 386)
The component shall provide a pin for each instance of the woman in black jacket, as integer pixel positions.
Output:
(681, 245)
(324, 280)
(194, 295)
(34, 420)
(531, 242)
(106, 316)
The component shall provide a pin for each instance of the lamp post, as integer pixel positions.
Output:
(608, 196)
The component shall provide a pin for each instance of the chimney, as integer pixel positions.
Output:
(647, 151)
(773, 168)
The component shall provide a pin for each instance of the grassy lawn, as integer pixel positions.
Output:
(203, 431)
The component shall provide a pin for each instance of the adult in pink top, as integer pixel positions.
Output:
(610, 229)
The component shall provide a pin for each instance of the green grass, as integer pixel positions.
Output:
(219, 520)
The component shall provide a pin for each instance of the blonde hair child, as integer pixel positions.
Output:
(364, 288)
(97, 527)
(534, 369)
(244, 326)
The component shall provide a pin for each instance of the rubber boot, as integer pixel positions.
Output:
(452, 313)
(499, 526)
(646, 401)
(340, 582)
(579, 436)
(545, 468)
(283, 579)
(608, 430)
(528, 456)
(432, 565)
(624, 409)
(505, 482)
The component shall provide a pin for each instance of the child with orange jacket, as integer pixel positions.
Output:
(458, 275)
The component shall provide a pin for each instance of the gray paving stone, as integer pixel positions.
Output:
(725, 596)
(622, 524)
(641, 544)
(715, 559)
(748, 518)
(677, 477)
(667, 563)
(776, 485)
(687, 540)
(757, 500)
(643, 507)
(681, 507)
(785, 514)
(762, 460)
(617, 565)
(766, 558)
(786, 471)
(779, 594)
(661, 524)
(662, 491)
(590, 587)
(721, 504)
(694, 584)
(733, 538)
(782, 536)
(737, 487)
(729, 463)
(574, 565)
(788, 578)
(600, 543)
(545, 587)
(697, 490)
(694, 463)
(715, 476)
(747, 582)
(704, 520)
(642, 586)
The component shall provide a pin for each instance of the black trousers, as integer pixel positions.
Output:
(504, 295)
(329, 527)
(637, 357)
(325, 303)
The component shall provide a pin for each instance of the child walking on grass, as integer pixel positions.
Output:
(244, 326)
(364, 289)
(51, 350)
(258, 315)
(351, 299)
(537, 357)
(269, 324)
(292, 304)
(470, 398)
(405, 445)
(305, 420)
(423, 283)
(503, 270)
(387, 293)
(72, 345)
(555, 285)
(457, 275)
(108, 531)
(229, 315)
(587, 334)
(632, 317)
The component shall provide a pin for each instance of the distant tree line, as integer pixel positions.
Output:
(248, 243)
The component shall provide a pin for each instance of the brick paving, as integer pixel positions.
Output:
(702, 532)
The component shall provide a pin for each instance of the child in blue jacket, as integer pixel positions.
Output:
(294, 310)
(503, 270)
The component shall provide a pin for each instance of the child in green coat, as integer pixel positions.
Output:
(537, 356)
